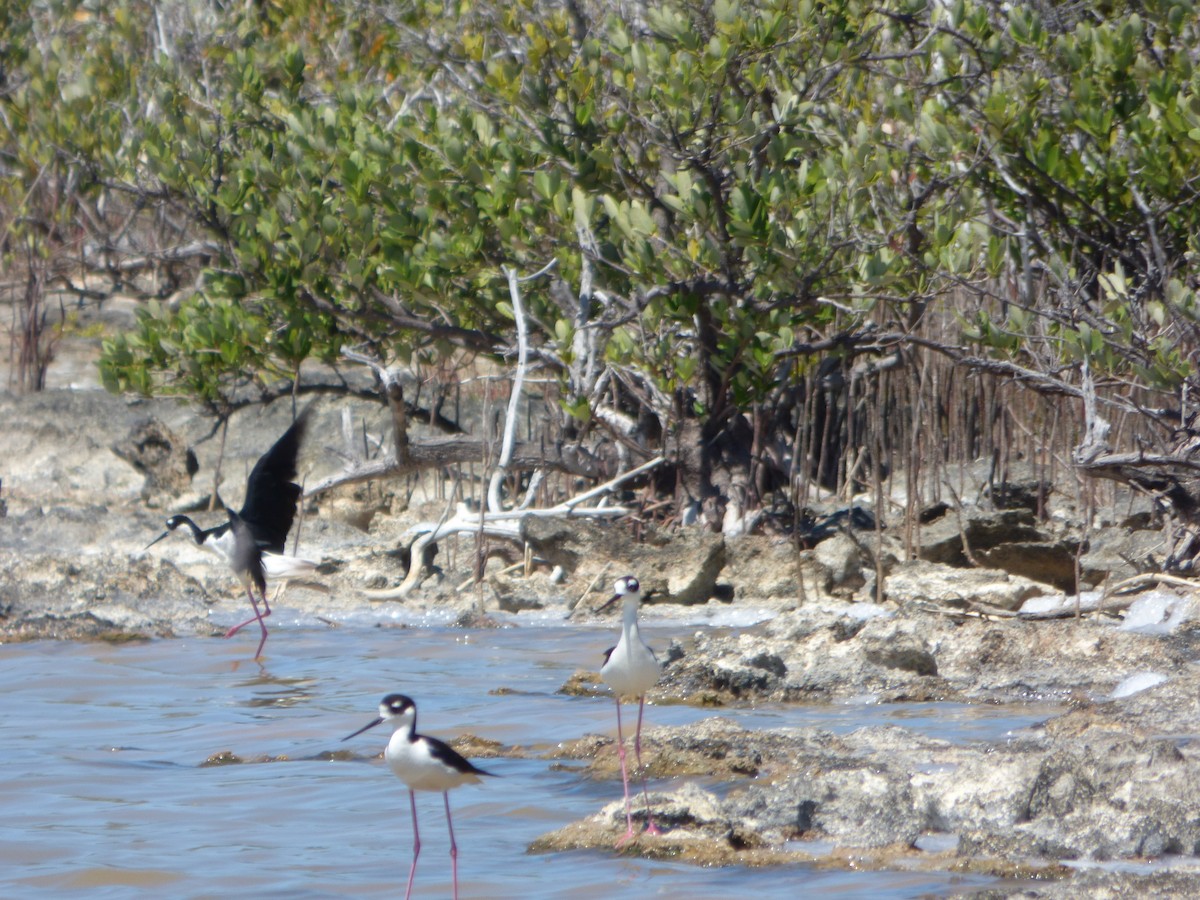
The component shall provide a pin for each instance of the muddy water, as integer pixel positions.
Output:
(104, 793)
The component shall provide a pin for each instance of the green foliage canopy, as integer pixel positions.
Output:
(729, 184)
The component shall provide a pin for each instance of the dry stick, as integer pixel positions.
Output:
(529, 421)
(1093, 444)
(452, 547)
(798, 476)
(1108, 607)
(569, 505)
(962, 531)
(877, 478)
(477, 563)
(480, 559)
(348, 436)
(1048, 472)
(535, 482)
(587, 590)
(802, 481)
(978, 610)
(509, 569)
(850, 461)
(1139, 581)
(514, 398)
(916, 384)
(1005, 437)
(1089, 511)
(806, 472)
(826, 427)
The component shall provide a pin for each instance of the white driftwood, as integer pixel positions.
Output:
(494, 502)
(1139, 582)
(493, 519)
(507, 524)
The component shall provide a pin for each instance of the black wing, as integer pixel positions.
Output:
(443, 752)
(271, 491)
(247, 555)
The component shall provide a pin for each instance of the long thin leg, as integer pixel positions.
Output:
(651, 828)
(263, 625)
(258, 617)
(412, 799)
(453, 846)
(624, 779)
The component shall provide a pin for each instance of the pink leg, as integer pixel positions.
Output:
(258, 617)
(263, 625)
(651, 828)
(625, 779)
(453, 846)
(412, 799)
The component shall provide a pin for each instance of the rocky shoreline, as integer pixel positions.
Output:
(1111, 777)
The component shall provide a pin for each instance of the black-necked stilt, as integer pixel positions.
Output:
(423, 763)
(253, 540)
(630, 669)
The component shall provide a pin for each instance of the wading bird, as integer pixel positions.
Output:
(252, 541)
(630, 669)
(424, 764)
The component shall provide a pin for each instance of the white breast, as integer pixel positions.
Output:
(631, 670)
(413, 764)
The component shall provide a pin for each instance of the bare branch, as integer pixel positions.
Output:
(514, 398)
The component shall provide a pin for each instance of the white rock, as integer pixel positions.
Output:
(1157, 612)
(1135, 684)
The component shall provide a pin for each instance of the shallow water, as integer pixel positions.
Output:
(104, 794)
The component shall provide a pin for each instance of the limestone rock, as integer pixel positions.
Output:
(842, 562)
(162, 456)
(1047, 562)
(941, 541)
(920, 581)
